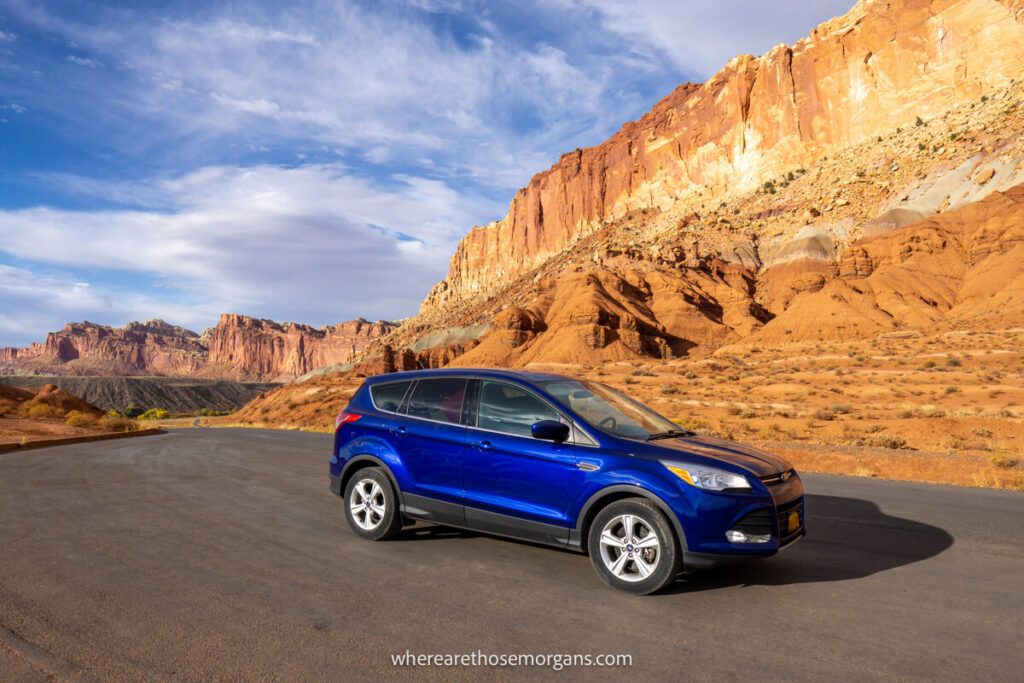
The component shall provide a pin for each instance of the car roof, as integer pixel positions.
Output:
(485, 373)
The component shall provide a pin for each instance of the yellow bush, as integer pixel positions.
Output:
(77, 418)
(41, 410)
(116, 423)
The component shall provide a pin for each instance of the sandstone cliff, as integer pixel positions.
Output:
(243, 347)
(883, 65)
(238, 347)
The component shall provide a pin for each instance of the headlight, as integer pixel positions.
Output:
(708, 478)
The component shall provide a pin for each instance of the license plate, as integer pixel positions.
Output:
(794, 521)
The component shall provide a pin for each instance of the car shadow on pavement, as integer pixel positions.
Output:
(424, 531)
(847, 538)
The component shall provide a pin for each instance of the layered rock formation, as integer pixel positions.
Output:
(238, 347)
(154, 347)
(243, 347)
(883, 65)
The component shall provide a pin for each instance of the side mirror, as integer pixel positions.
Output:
(550, 430)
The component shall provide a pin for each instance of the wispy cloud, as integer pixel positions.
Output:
(87, 62)
(699, 37)
(313, 243)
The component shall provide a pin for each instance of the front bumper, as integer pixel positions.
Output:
(773, 513)
(696, 561)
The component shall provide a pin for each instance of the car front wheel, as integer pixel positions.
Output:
(371, 505)
(632, 547)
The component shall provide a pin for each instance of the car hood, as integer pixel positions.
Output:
(755, 460)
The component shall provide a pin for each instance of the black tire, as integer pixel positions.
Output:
(641, 571)
(375, 486)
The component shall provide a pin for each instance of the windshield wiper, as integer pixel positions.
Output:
(671, 434)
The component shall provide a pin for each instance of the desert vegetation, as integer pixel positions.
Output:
(52, 413)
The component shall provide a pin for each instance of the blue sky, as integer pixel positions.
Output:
(309, 161)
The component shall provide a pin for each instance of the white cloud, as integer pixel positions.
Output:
(699, 37)
(314, 244)
(35, 303)
(87, 62)
(376, 81)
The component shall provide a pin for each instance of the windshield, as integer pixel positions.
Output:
(609, 410)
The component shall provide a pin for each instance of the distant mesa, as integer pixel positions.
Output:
(237, 348)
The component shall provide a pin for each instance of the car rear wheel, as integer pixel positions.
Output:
(371, 505)
(632, 547)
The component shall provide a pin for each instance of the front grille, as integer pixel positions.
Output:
(758, 522)
(782, 519)
(778, 478)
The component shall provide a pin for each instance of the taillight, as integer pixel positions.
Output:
(344, 419)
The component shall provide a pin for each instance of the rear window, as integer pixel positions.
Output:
(388, 397)
(438, 399)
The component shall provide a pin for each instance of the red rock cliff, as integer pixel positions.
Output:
(249, 347)
(238, 348)
(878, 67)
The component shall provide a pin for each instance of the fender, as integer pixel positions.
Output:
(576, 539)
(362, 458)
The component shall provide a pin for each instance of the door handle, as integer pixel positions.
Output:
(485, 446)
(398, 431)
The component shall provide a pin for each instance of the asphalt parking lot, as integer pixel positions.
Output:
(220, 554)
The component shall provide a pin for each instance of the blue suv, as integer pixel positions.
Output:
(560, 461)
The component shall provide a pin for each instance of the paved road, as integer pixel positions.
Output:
(220, 554)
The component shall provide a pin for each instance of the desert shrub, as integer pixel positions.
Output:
(874, 429)
(985, 433)
(928, 365)
(953, 362)
(748, 414)
(154, 414)
(118, 423)
(76, 418)
(886, 441)
(41, 410)
(8, 406)
(956, 443)
(1005, 463)
(733, 410)
(827, 415)
(669, 389)
(695, 425)
(642, 372)
(841, 409)
(950, 390)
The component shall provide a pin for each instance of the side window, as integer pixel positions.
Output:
(438, 399)
(388, 397)
(509, 409)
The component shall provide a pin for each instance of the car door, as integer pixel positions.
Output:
(515, 484)
(432, 442)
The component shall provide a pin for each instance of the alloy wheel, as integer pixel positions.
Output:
(630, 548)
(367, 504)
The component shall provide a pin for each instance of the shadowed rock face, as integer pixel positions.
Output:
(238, 347)
(880, 66)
